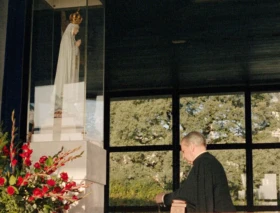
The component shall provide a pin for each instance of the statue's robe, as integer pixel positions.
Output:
(67, 70)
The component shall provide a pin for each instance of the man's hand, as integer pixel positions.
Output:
(159, 197)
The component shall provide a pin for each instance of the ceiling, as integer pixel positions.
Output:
(191, 44)
(56, 4)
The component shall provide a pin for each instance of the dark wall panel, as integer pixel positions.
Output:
(226, 43)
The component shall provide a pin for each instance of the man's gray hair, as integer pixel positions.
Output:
(195, 138)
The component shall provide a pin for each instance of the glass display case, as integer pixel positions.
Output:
(66, 71)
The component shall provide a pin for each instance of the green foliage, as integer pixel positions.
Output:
(265, 116)
(10, 203)
(134, 193)
(221, 118)
(266, 161)
(234, 163)
(3, 143)
(148, 166)
(139, 177)
(141, 122)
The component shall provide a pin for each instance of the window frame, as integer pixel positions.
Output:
(248, 146)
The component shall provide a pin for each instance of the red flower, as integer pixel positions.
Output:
(31, 198)
(25, 147)
(51, 182)
(37, 193)
(50, 171)
(26, 152)
(66, 206)
(45, 189)
(5, 151)
(2, 181)
(27, 175)
(57, 189)
(27, 162)
(68, 186)
(64, 176)
(24, 155)
(21, 182)
(75, 197)
(37, 165)
(14, 162)
(43, 159)
(39, 188)
(10, 190)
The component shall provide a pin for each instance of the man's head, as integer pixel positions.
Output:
(192, 145)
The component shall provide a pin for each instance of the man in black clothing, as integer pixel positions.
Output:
(206, 187)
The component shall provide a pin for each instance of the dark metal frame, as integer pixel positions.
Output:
(248, 146)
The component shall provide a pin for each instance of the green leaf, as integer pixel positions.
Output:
(16, 190)
(18, 197)
(47, 208)
(49, 161)
(12, 180)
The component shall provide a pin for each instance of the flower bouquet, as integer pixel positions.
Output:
(27, 188)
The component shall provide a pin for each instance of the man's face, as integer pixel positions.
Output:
(187, 152)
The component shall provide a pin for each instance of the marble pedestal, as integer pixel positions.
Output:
(59, 129)
(90, 168)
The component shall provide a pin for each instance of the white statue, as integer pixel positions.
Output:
(68, 64)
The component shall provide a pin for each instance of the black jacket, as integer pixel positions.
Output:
(206, 187)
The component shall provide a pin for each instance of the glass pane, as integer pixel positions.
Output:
(94, 73)
(95, 119)
(221, 118)
(265, 117)
(57, 89)
(234, 164)
(139, 122)
(184, 168)
(266, 176)
(137, 177)
(66, 75)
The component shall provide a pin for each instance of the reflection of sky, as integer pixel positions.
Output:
(94, 119)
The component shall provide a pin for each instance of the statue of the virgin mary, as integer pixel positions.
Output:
(67, 70)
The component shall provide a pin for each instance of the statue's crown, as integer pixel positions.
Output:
(76, 18)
